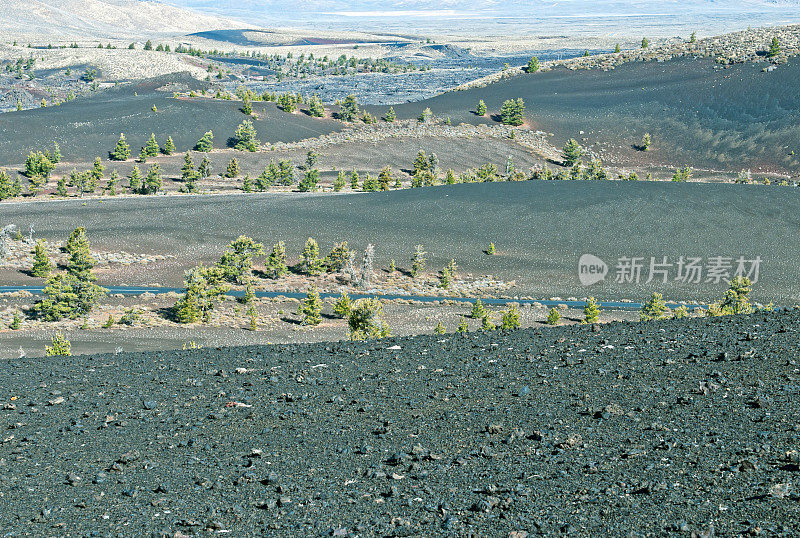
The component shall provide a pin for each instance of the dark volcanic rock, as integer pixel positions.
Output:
(650, 437)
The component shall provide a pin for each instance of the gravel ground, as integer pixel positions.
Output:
(653, 429)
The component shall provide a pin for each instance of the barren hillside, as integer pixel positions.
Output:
(102, 18)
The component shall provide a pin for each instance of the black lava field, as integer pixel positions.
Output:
(659, 428)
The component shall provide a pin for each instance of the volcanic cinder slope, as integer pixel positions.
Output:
(657, 428)
(540, 228)
(697, 113)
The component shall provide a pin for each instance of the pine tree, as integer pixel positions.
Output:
(310, 181)
(61, 187)
(203, 287)
(390, 115)
(233, 168)
(591, 311)
(81, 262)
(169, 146)
(693, 37)
(247, 107)
(275, 266)
(366, 320)
(385, 178)
(41, 262)
(572, 152)
(153, 181)
(418, 261)
(450, 177)
(463, 327)
(315, 107)
(617, 49)
(481, 109)
(245, 137)
(348, 111)
(654, 308)
(370, 184)
(310, 262)
(206, 143)
(249, 292)
(553, 317)
(311, 308)
(513, 112)
(342, 306)
(148, 45)
(478, 310)
(491, 250)
(486, 323)
(55, 155)
(59, 346)
(16, 321)
(510, 318)
(135, 180)
(188, 173)
(354, 180)
(285, 172)
(439, 328)
(339, 182)
(646, 141)
(253, 316)
(645, 43)
(151, 148)
(774, 48)
(113, 181)
(533, 65)
(36, 184)
(237, 260)
(247, 184)
(204, 170)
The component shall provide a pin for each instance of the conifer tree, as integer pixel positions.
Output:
(204, 285)
(204, 170)
(418, 261)
(153, 181)
(245, 137)
(370, 184)
(390, 115)
(354, 180)
(646, 141)
(310, 181)
(654, 308)
(478, 310)
(591, 311)
(41, 262)
(481, 109)
(206, 143)
(275, 266)
(16, 321)
(233, 168)
(135, 180)
(81, 262)
(342, 306)
(439, 328)
(513, 112)
(645, 43)
(61, 187)
(533, 65)
(311, 308)
(285, 172)
(113, 181)
(151, 148)
(510, 318)
(310, 262)
(617, 49)
(366, 320)
(774, 48)
(572, 152)
(339, 182)
(59, 346)
(188, 173)
(463, 327)
(247, 107)
(553, 317)
(315, 107)
(169, 146)
(237, 260)
(385, 178)
(348, 111)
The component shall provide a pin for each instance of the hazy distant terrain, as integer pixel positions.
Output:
(103, 18)
(598, 18)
